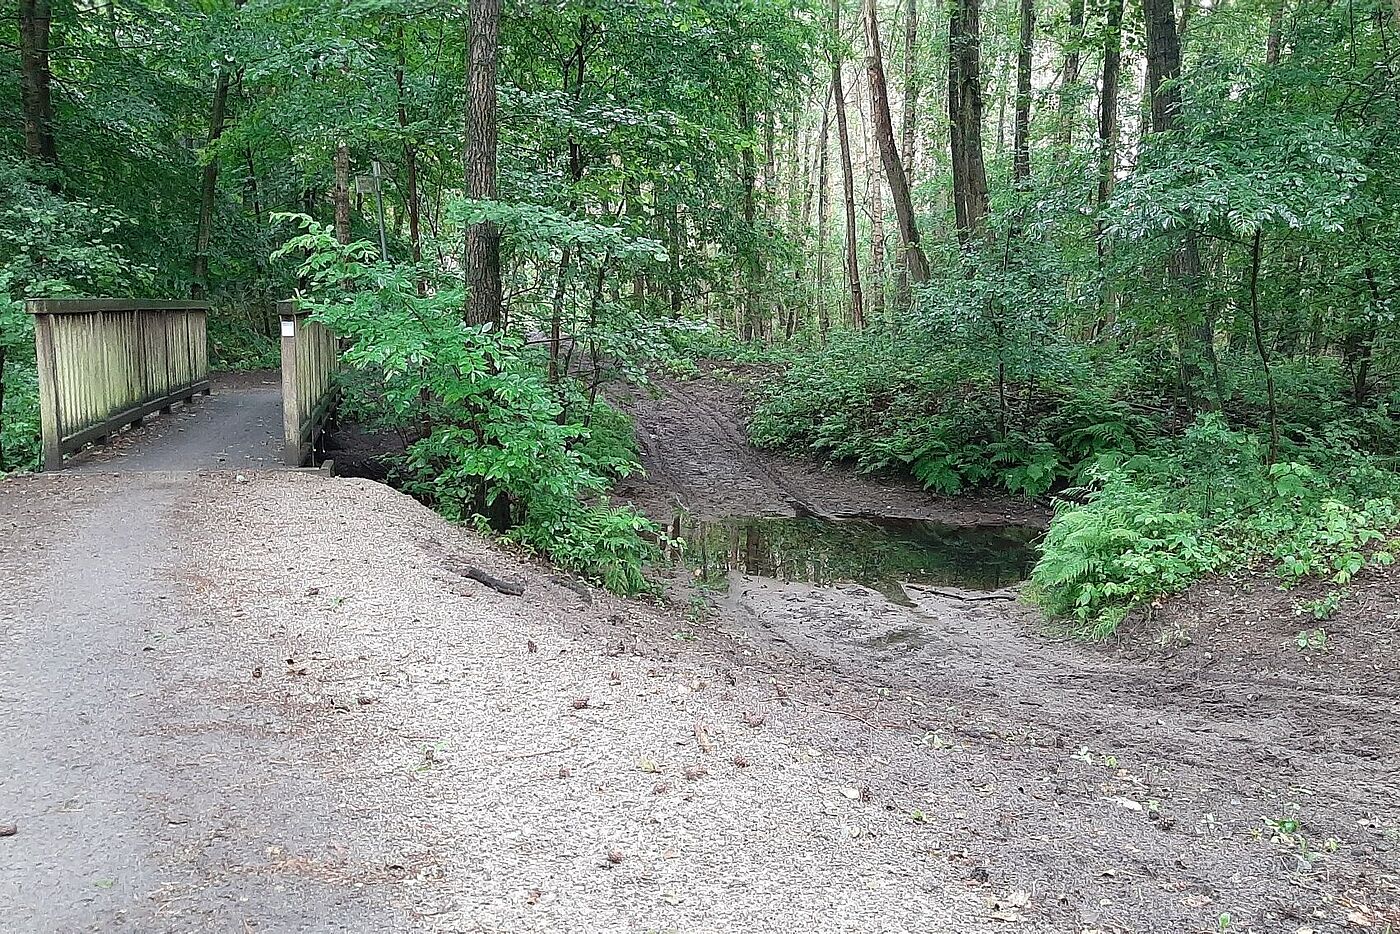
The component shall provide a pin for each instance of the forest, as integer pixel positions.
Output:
(1140, 260)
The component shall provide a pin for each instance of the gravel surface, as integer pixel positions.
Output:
(238, 426)
(272, 705)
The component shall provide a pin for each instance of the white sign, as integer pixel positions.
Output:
(289, 327)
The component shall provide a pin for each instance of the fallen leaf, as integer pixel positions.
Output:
(702, 736)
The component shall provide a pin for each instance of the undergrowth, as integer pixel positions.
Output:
(1148, 498)
(491, 441)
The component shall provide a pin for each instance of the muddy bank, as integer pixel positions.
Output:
(694, 448)
(1204, 773)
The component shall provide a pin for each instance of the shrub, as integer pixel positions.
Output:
(492, 443)
(1205, 502)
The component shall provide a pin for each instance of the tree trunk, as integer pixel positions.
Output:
(1196, 340)
(1255, 254)
(1108, 100)
(1163, 63)
(748, 268)
(877, 237)
(965, 117)
(410, 163)
(823, 197)
(1069, 76)
(573, 71)
(341, 195)
(911, 90)
(912, 252)
(483, 249)
(1021, 158)
(907, 130)
(1275, 40)
(1108, 144)
(35, 26)
(208, 189)
(847, 179)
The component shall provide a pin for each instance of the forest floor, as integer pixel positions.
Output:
(1203, 767)
(274, 701)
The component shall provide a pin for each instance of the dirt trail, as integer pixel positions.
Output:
(275, 703)
(1130, 788)
(238, 426)
(693, 446)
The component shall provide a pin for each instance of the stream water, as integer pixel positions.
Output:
(880, 554)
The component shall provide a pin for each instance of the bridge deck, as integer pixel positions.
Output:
(238, 426)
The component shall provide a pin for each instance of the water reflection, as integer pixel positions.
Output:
(876, 553)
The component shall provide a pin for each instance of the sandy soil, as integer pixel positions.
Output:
(276, 704)
(1203, 766)
(693, 446)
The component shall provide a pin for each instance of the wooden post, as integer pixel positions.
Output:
(291, 407)
(48, 392)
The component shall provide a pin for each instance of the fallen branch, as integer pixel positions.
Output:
(970, 597)
(509, 588)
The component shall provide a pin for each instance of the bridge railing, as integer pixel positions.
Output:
(107, 363)
(310, 358)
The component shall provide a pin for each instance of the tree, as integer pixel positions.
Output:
(884, 136)
(483, 252)
(208, 189)
(965, 118)
(1021, 158)
(838, 94)
(35, 26)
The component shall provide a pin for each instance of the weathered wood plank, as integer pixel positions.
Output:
(105, 363)
(309, 361)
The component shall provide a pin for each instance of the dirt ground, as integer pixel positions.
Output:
(273, 701)
(691, 436)
(1203, 773)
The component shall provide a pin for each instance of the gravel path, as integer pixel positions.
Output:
(238, 426)
(273, 705)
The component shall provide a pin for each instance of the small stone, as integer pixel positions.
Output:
(8, 830)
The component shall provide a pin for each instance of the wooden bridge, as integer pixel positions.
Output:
(105, 365)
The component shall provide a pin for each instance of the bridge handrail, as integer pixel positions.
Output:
(310, 358)
(106, 363)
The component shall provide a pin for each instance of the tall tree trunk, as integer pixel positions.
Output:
(1275, 40)
(877, 239)
(907, 136)
(911, 90)
(410, 163)
(1163, 63)
(1069, 76)
(848, 181)
(1260, 347)
(341, 194)
(35, 26)
(965, 117)
(208, 189)
(748, 268)
(823, 201)
(1108, 99)
(1196, 340)
(1108, 143)
(575, 67)
(914, 259)
(1021, 158)
(483, 249)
